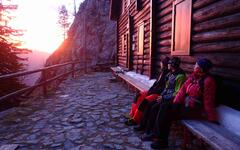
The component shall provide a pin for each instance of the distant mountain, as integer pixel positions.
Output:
(36, 60)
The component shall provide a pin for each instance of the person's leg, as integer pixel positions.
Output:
(146, 114)
(142, 107)
(137, 101)
(152, 117)
(167, 113)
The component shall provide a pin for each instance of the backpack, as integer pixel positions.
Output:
(220, 93)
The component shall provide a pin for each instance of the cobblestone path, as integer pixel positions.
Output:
(84, 113)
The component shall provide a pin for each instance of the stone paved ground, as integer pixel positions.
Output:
(84, 113)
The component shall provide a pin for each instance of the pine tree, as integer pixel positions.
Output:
(63, 20)
(10, 60)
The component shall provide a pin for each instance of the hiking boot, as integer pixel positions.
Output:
(138, 128)
(130, 122)
(126, 116)
(160, 144)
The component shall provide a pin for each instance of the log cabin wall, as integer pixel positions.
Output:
(215, 35)
(122, 29)
(138, 62)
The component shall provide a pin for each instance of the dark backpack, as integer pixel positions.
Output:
(219, 88)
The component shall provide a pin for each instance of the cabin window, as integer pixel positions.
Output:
(123, 45)
(123, 6)
(181, 27)
(140, 38)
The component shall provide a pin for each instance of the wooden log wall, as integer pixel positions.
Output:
(140, 63)
(215, 35)
(122, 29)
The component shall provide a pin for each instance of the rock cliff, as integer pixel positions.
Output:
(91, 36)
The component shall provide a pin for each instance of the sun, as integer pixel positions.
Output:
(39, 20)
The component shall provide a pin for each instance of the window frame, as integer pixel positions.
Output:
(186, 51)
(128, 3)
(141, 26)
(123, 6)
(123, 53)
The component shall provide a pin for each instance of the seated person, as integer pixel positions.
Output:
(195, 100)
(152, 94)
(175, 79)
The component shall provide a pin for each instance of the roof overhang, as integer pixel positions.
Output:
(114, 9)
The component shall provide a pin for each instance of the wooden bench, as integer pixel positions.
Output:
(129, 80)
(225, 136)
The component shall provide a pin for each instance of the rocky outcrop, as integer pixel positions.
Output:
(91, 37)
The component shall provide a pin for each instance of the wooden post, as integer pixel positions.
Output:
(152, 39)
(73, 67)
(45, 84)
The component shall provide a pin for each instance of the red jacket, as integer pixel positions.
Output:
(205, 94)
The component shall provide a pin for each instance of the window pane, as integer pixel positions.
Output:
(141, 39)
(182, 27)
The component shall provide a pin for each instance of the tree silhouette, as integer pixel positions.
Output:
(10, 60)
(63, 20)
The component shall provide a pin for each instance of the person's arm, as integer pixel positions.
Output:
(209, 99)
(178, 83)
(180, 96)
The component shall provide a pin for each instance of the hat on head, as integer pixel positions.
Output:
(204, 64)
(165, 60)
(175, 62)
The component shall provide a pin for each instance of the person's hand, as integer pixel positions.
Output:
(159, 99)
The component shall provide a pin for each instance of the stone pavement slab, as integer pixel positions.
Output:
(84, 113)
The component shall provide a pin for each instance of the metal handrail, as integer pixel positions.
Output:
(44, 81)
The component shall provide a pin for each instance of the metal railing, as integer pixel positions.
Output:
(44, 82)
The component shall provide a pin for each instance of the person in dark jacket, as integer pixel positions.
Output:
(174, 80)
(144, 97)
(195, 100)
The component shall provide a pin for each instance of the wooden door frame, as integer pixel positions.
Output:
(152, 38)
(129, 43)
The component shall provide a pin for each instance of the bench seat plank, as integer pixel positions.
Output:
(9, 147)
(215, 135)
(135, 83)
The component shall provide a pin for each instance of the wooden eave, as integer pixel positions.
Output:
(114, 9)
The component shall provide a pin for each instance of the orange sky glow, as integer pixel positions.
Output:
(39, 19)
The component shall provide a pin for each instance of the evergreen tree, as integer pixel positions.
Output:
(63, 20)
(10, 60)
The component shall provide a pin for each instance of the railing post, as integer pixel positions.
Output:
(85, 66)
(45, 84)
(73, 67)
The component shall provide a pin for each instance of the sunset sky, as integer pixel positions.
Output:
(39, 19)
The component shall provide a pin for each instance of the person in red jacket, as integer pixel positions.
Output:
(195, 100)
(144, 97)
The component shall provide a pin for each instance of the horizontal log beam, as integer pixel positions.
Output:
(229, 47)
(164, 12)
(166, 49)
(202, 3)
(223, 22)
(218, 35)
(164, 4)
(165, 35)
(165, 27)
(165, 19)
(164, 43)
(219, 9)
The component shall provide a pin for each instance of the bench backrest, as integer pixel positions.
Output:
(229, 118)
